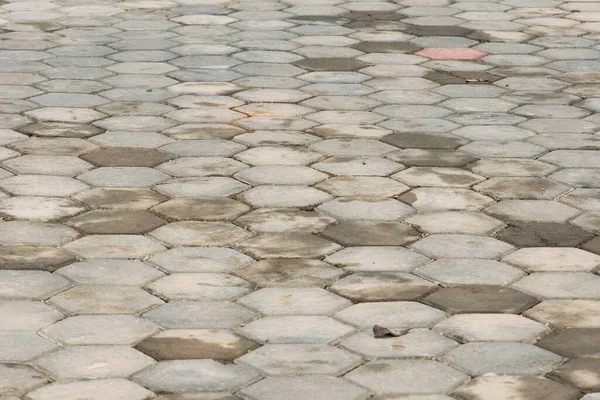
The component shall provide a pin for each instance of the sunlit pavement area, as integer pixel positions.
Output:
(218, 200)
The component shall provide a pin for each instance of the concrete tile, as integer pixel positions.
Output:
(98, 362)
(518, 387)
(491, 328)
(297, 359)
(502, 358)
(480, 299)
(183, 344)
(407, 377)
(304, 388)
(295, 330)
(454, 272)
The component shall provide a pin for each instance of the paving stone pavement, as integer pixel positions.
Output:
(218, 199)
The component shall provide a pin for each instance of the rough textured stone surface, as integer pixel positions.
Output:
(183, 182)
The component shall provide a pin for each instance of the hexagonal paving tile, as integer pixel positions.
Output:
(284, 220)
(561, 285)
(182, 344)
(201, 209)
(290, 273)
(362, 186)
(451, 53)
(120, 198)
(96, 362)
(548, 259)
(30, 285)
(94, 389)
(195, 375)
(113, 246)
(376, 258)
(47, 165)
(468, 271)
(461, 246)
(100, 330)
(491, 328)
(577, 372)
(394, 377)
(503, 167)
(284, 196)
(24, 257)
(21, 315)
(271, 155)
(294, 301)
(125, 157)
(192, 233)
(200, 315)
(374, 233)
(109, 272)
(104, 300)
(572, 342)
(366, 209)
(438, 199)
(295, 329)
(39, 208)
(200, 259)
(542, 234)
(455, 222)
(502, 358)
(532, 210)
(23, 346)
(567, 313)
(123, 177)
(382, 286)
(301, 359)
(116, 222)
(421, 343)
(304, 388)
(201, 187)
(521, 188)
(288, 245)
(588, 221)
(504, 149)
(202, 166)
(280, 175)
(480, 299)
(18, 379)
(399, 314)
(358, 166)
(200, 286)
(438, 177)
(432, 157)
(515, 387)
(25, 232)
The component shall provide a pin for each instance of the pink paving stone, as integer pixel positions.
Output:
(451, 53)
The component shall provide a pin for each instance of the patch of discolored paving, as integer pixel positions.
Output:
(217, 200)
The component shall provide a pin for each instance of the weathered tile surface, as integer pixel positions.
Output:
(217, 200)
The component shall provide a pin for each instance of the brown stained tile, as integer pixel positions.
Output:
(188, 209)
(574, 342)
(185, 344)
(26, 257)
(331, 64)
(421, 140)
(121, 198)
(543, 234)
(480, 299)
(583, 373)
(116, 222)
(126, 157)
(386, 47)
(371, 233)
